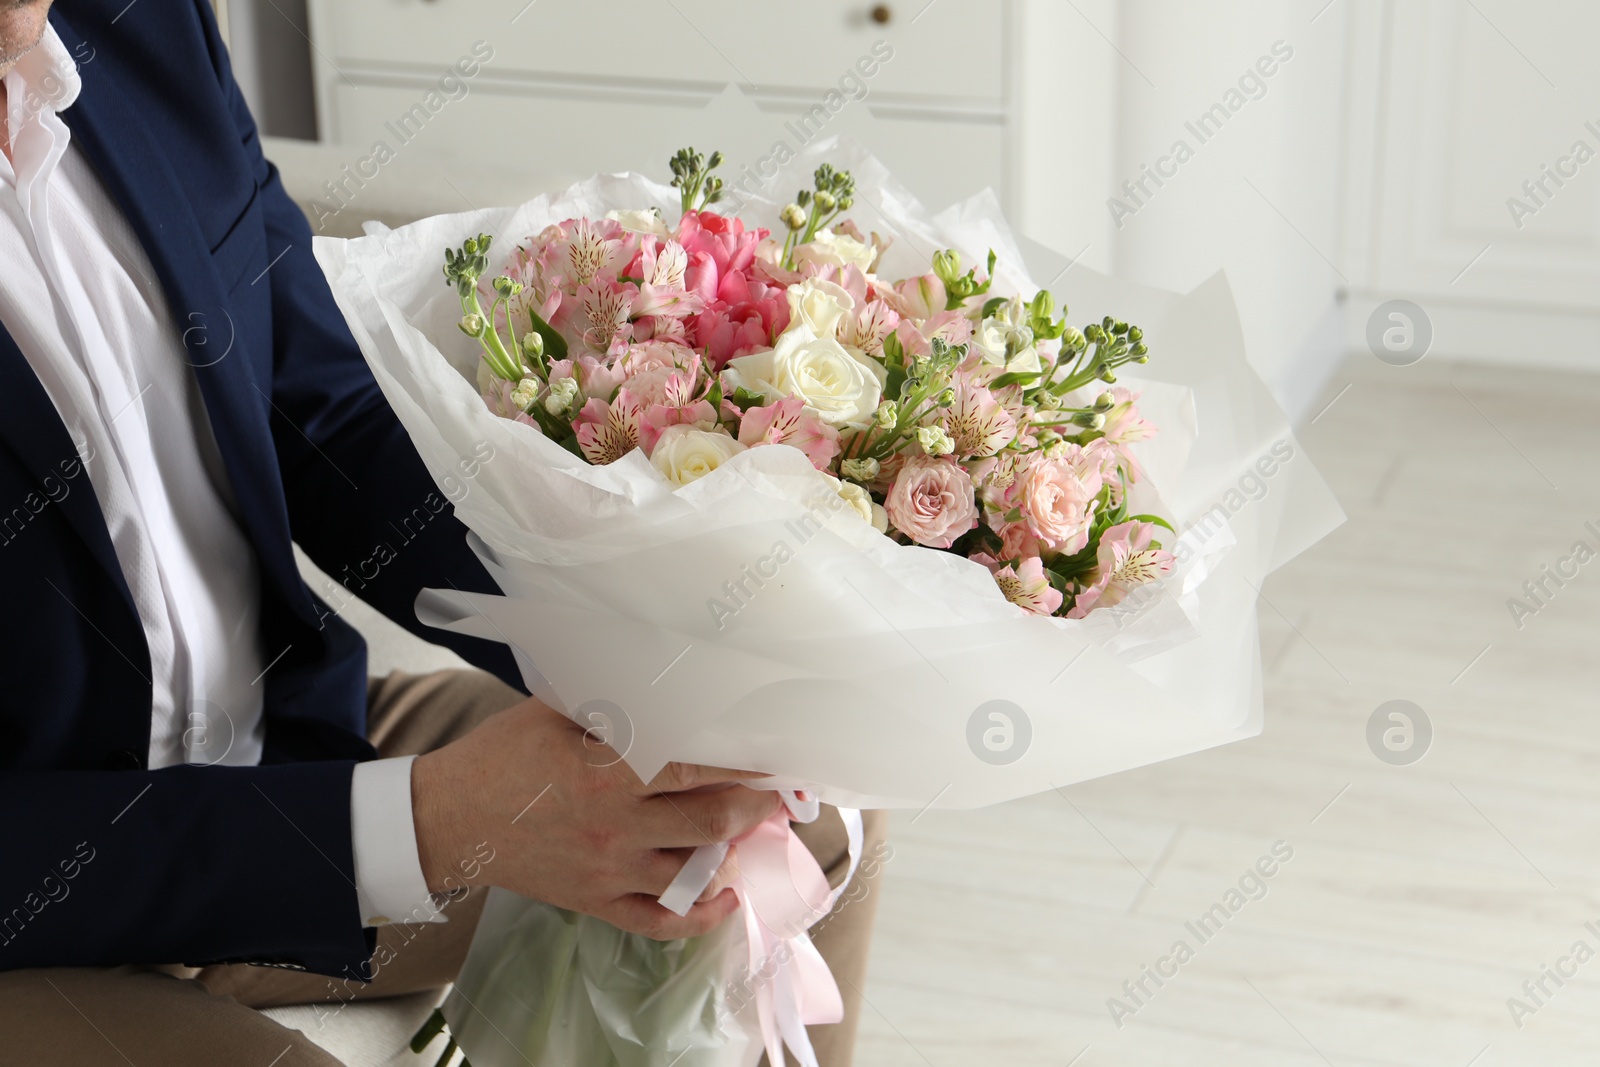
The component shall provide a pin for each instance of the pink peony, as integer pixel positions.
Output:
(1057, 499)
(716, 246)
(747, 316)
(931, 502)
(1026, 585)
(790, 422)
(1124, 562)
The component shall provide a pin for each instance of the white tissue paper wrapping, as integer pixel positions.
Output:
(870, 673)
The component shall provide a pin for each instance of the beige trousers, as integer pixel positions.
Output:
(183, 1017)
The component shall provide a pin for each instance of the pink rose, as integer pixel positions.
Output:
(1057, 498)
(931, 502)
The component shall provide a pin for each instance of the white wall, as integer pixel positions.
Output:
(1261, 195)
(272, 62)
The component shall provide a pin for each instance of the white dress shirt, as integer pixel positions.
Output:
(114, 366)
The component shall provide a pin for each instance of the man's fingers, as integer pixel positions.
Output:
(721, 880)
(641, 914)
(695, 819)
(660, 867)
(675, 777)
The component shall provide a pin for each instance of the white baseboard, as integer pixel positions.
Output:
(1510, 334)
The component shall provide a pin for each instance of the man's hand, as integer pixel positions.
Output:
(597, 840)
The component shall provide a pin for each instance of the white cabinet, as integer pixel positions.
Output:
(1474, 171)
(621, 84)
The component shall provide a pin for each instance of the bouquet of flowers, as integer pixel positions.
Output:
(764, 490)
(945, 417)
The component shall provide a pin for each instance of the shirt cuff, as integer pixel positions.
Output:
(390, 887)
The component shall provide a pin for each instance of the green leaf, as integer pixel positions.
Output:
(555, 346)
(1014, 377)
(1156, 519)
(991, 306)
(895, 380)
(744, 399)
(893, 350)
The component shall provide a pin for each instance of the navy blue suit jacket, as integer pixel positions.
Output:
(103, 861)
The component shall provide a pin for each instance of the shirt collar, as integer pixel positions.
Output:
(46, 79)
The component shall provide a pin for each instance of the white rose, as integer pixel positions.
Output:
(839, 384)
(829, 249)
(862, 504)
(685, 454)
(640, 222)
(819, 306)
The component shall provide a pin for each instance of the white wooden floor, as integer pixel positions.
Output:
(1418, 898)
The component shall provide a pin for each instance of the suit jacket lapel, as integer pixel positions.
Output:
(136, 172)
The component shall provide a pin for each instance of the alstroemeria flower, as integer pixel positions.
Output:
(976, 422)
(1124, 426)
(1024, 585)
(790, 422)
(607, 432)
(1125, 560)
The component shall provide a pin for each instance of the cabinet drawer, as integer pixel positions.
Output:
(951, 49)
(583, 136)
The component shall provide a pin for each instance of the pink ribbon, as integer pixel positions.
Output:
(782, 893)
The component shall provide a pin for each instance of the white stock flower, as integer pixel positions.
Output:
(525, 392)
(993, 339)
(840, 385)
(829, 249)
(640, 222)
(563, 391)
(685, 454)
(934, 441)
(819, 306)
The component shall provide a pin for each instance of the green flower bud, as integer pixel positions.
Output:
(1105, 402)
(825, 200)
(532, 344)
(887, 414)
(471, 325)
(793, 216)
(947, 266)
(1135, 334)
(1089, 420)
